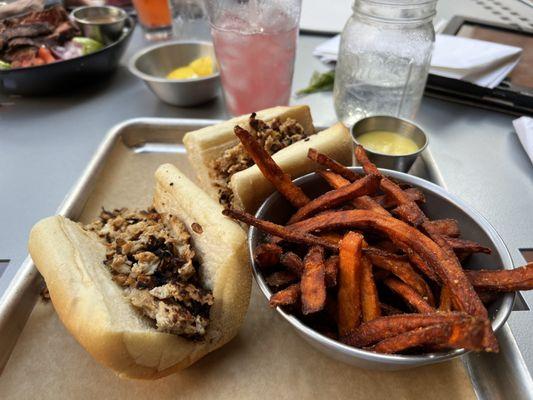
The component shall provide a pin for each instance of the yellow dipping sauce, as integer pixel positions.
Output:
(202, 66)
(385, 142)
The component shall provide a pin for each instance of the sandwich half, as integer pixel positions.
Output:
(229, 175)
(150, 292)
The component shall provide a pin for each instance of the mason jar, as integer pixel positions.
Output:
(384, 58)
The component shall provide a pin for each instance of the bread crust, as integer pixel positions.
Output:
(92, 307)
(249, 186)
(206, 144)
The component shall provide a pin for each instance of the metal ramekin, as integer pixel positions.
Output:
(392, 124)
(104, 32)
(439, 204)
(152, 64)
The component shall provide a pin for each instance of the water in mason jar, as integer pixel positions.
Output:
(377, 84)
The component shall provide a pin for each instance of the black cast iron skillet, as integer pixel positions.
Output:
(66, 75)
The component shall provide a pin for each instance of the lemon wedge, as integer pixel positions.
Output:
(202, 66)
(182, 73)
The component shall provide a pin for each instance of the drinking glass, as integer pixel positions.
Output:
(384, 59)
(189, 20)
(155, 18)
(255, 45)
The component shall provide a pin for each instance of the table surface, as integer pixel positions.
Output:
(45, 144)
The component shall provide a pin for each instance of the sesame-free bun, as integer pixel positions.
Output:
(249, 186)
(93, 308)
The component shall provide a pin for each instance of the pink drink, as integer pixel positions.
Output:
(256, 64)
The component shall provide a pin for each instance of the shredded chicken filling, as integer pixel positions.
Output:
(273, 136)
(155, 266)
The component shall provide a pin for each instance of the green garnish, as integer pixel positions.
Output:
(89, 45)
(4, 65)
(320, 82)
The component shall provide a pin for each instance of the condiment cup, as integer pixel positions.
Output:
(101, 23)
(401, 126)
(154, 63)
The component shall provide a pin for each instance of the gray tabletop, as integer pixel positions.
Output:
(45, 143)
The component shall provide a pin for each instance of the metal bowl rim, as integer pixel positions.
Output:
(412, 360)
(132, 64)
(123, 15)
(416, 153)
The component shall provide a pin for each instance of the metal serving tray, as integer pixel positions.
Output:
(493, 376)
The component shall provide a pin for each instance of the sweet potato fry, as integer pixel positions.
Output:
(349, 287)
(467, 334)
(333, 165)
(271, 171)
(292, 262)
(332, 237)
(364, 202)
(445, 303)
(429, 335)
(369, 292)
(385, 327)
(313, 284)
(466, 246)
(402, 270)
(447, 267)
(280, 278)
(334, 180)
(380, 274)
(387, 309)
(362, 159)
(491, 344)
(407, 209)
(331, 268)
(286, 297)
(502, 280)
(418, 262)
(333, 198)
(387, 201)
(278, 230)
(409, 295)
(367, 203)
(388, 246)
(446, 227)
(267, 255)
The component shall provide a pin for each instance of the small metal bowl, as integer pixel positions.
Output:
(439, 204)
(154, 63)
(391, 124)
(101, 23)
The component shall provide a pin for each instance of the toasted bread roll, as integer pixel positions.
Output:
(96, 312)
(249, 186)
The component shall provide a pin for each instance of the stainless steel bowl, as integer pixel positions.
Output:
(101, 23)
(439, 204)
(392, 124)
(154, 63)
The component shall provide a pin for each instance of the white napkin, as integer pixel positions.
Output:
(476, 61)
(329, 50)
(482, 63)
(524, 130)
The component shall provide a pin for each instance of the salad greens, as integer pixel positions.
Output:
(89, 45)
(320, 82)
(4, 65)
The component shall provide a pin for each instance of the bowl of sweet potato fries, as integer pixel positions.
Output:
(379, 268)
